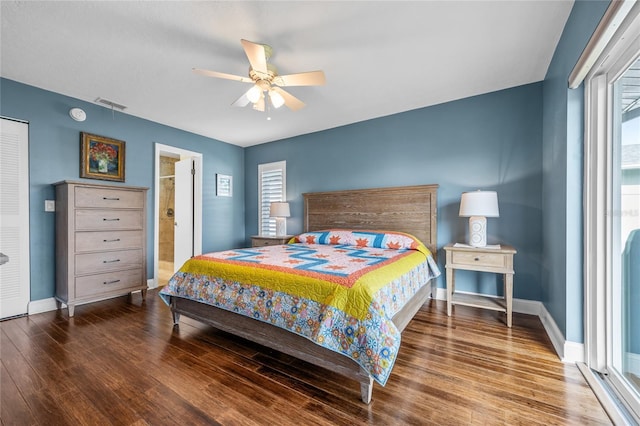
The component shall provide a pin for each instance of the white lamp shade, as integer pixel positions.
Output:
(479, 203)
(279, 209)
(254, 94)
(276, 99)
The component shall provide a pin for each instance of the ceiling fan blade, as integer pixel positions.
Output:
(311, 78)
(259, 106)
(242, 101)
(290, 101)
(256, 55)
(216, 74)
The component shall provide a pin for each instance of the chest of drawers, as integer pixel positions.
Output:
(100, 242)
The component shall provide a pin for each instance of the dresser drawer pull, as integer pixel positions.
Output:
(111, 261)
(111, 198)
(110, 220)
(111, 282)
(111, 241)
(476, 259)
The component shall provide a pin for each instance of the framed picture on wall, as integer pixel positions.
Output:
(101, 157)
(224, 185)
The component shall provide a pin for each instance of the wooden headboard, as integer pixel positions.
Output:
(410, 209)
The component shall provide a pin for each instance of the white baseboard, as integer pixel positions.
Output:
(570, 352)
(633, 363)
(42, 305)
(50, 304)
(152, 283)
(573, 352)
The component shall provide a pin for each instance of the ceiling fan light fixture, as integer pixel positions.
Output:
(254, 94)
(265, 77)
(276, 99)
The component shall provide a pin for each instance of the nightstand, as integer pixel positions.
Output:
(262, 240)
(484, 260)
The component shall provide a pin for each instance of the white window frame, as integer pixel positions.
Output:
(266, 168)
(600, 337)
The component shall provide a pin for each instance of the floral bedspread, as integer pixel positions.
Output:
(340, 296)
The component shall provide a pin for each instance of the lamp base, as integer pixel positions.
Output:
(281, 230)
(477, 231)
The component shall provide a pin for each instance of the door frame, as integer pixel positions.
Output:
(172, 151)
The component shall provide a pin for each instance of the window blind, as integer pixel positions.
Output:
(271, 182)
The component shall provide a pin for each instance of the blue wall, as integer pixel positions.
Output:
(492, 141)
(54, 155)
(562, 147)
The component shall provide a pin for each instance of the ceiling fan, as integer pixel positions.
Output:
(266, 81)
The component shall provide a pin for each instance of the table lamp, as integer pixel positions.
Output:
(477, 206)
(280, 211)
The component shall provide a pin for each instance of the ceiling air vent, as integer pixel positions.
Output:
(110, 104)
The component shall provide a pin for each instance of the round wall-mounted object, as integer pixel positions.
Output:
(77, 114)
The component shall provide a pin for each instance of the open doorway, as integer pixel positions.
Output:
(166, 217)
(178, 210)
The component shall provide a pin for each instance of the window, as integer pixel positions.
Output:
(612, 216)
(272, 179)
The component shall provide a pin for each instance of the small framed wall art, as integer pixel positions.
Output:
(101, 157)
(224, 185)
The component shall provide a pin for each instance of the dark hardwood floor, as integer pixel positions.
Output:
(122, 363)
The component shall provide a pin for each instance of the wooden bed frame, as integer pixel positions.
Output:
(410, 209)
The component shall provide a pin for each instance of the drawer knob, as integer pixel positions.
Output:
(111, 241)
(111, 261)
(111, 198)
(476, 259)
(110, 220)
(111, 282)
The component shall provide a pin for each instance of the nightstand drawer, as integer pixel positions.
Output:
(269, 241)
(259, 242)
(480, 259)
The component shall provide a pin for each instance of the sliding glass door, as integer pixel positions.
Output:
(612, 217)
(624, 186)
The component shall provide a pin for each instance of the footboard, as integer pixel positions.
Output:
(275, 338)
(289, 343)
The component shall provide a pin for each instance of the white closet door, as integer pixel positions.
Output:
(14, 218)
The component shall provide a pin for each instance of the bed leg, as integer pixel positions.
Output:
(366, 389)
(174, 314)
(176, 317)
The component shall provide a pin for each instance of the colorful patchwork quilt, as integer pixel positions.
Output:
(339, 289)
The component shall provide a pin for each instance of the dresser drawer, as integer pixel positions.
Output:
(107, 240)
(109, 198)
(498, 260)
(93, 285)
(91, 263)
(90, 220)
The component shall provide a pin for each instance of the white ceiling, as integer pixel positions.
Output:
(379, 57)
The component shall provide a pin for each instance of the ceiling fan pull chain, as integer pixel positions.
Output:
(268, 109)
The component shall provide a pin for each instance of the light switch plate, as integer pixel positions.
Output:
(49, 205)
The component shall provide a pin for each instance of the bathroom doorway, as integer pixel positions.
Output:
(178, 210)
(166, 218)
